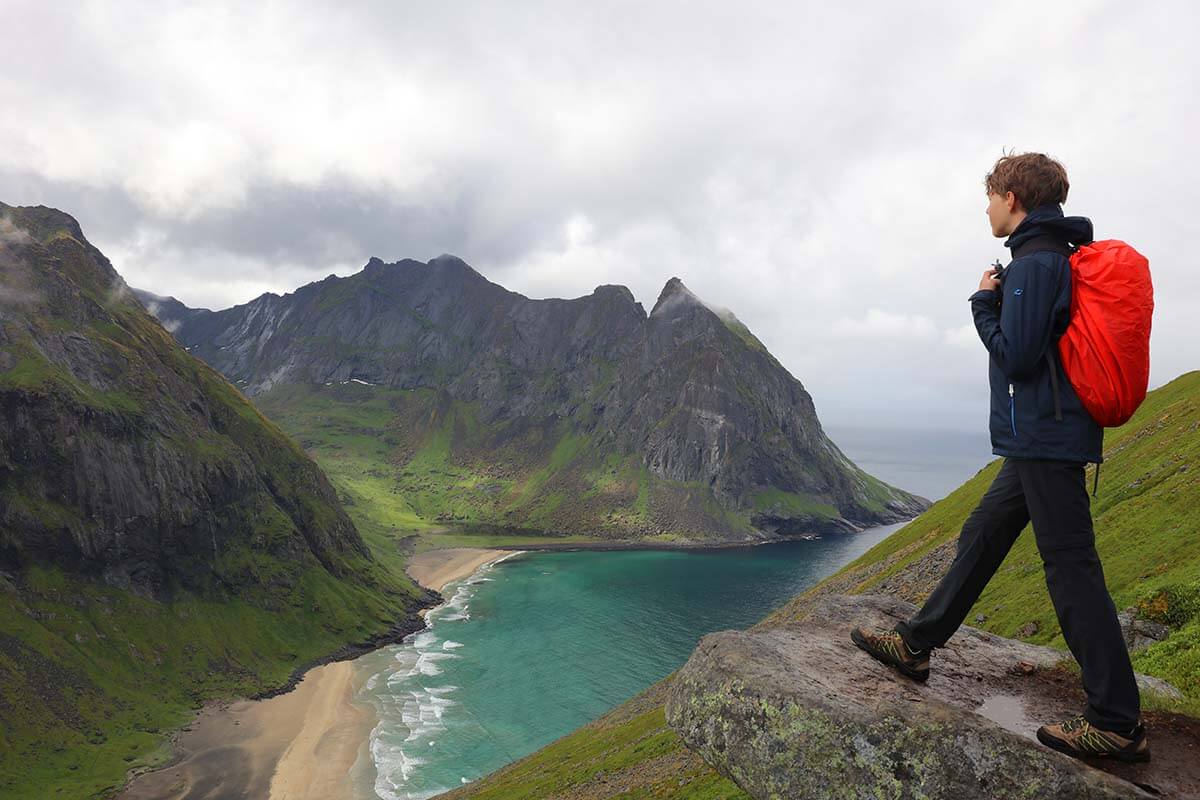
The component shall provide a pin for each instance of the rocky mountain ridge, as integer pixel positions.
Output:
(678, 421)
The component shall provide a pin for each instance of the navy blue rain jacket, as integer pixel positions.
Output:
(1018, 326)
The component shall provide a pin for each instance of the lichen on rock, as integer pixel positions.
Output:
(799, 712)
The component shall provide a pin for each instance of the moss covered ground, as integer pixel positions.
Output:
(628, 753)
(413, 462)
(96, 677)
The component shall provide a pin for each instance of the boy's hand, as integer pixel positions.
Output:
(989, 281)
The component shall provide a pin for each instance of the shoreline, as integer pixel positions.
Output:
(293, 746)
(437, 569)
(643, 544)
(304, 739)
(320, 759)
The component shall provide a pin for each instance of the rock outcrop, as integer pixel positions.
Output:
(684, 399)
(1141, 633)
(799, 712)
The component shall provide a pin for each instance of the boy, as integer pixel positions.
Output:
(1045, 435)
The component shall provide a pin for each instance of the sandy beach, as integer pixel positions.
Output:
(318, 761)
(434, 569)
(303, 745)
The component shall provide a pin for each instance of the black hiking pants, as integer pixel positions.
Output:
(1053, 494)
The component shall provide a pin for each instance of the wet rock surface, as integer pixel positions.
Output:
(798, 711)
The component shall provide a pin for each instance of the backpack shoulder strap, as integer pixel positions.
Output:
(1054, 245)
(1039, 243)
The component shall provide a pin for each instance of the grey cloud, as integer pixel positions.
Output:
(814, 168)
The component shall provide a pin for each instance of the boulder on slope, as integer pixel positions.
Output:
(799, 712)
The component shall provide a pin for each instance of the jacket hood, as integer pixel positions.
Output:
(1048, 220)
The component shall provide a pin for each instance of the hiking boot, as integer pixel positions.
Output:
(890, 648)
(1079, 738)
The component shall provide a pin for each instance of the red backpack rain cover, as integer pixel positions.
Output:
(1106, 349)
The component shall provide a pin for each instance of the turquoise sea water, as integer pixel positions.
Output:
(530, 648)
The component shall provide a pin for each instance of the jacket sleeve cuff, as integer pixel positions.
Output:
(984, 295)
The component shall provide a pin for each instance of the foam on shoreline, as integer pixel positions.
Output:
(416, 707)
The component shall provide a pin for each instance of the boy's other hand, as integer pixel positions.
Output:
(989, 281)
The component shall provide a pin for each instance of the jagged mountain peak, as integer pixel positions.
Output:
(620, 294)
(613, 288)
(46, 230)
(674, 285)
(377, 266)
(446, 267)
(42, 222)
(673, 295)
(452, 263)
(676, 299)
(445, 261)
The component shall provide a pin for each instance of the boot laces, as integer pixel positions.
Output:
(1076, 723)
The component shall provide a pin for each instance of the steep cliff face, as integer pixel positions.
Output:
(702, 400)
(161, 542)
(677, 423)
(121, 456)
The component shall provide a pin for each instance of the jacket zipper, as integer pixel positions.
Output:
(1012, 410)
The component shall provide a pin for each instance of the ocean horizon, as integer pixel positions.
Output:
(928, 462)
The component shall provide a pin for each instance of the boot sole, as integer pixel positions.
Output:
(920, 676)
(1117, 755)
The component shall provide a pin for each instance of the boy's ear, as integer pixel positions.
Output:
(1014, 205)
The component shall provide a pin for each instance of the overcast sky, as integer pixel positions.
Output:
(817, 169)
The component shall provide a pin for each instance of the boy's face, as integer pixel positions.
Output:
(1005, 213)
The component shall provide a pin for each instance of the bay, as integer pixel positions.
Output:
(530, 648)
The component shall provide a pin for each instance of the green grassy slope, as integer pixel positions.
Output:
(95, 677)
(96, 671)
(1147, 517)
(627, 753)
(416, 461)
